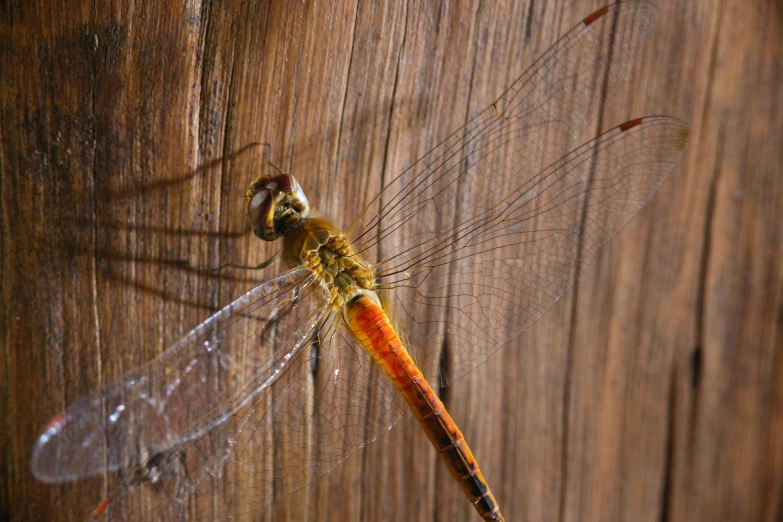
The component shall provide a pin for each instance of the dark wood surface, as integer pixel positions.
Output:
(653, 391)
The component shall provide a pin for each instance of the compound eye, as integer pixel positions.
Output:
(258, 208)
(283, 182)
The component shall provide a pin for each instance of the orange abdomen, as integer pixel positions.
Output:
(371, 327)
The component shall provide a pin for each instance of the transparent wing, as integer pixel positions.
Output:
(260, 399)
(415, 225)
(332, 401)
(193, 386)
(520, 242)
(549, 102)
(350, 402)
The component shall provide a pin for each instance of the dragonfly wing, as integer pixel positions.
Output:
(332, 401)
(518, 247)
(549, 104)
(337, 402)
(416, 224)
(196, 384)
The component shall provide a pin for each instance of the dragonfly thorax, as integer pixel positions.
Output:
(277, 208)
(321, 246)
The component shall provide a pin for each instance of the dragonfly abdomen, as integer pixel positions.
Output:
(372, 328)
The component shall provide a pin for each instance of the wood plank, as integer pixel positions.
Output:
(127, 139)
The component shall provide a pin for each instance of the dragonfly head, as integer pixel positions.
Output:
(276, 205)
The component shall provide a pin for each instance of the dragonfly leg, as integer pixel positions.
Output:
(250, 267)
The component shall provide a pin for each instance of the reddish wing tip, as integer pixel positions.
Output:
(630, 124)
(595, 16)
(101, 508)
(56, 422)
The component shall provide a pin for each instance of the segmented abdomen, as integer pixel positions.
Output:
(371, 327)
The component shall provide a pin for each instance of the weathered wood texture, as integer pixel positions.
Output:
(654, 391)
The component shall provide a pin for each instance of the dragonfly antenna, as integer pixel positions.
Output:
(269, 159)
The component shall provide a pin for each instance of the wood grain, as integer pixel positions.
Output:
(654, 391)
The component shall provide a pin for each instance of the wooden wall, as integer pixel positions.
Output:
(654, 391)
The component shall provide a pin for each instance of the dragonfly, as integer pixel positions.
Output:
(453, 259)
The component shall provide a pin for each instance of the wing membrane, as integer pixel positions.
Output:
(422, 220)
(193, 386)
(516, 250)
(550, 101)
(331, 401)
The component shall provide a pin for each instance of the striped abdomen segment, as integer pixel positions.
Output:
(371, 327)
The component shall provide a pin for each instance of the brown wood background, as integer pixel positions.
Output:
(652, 392)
